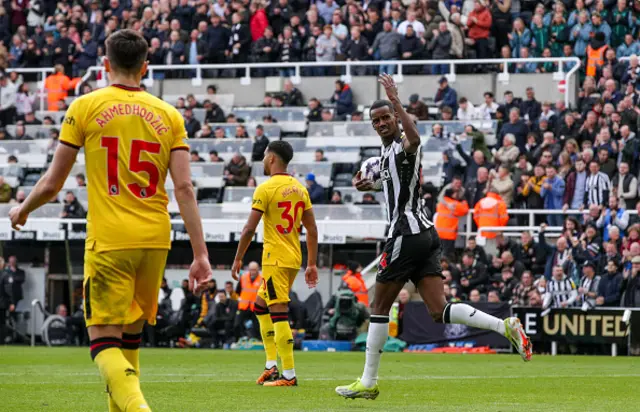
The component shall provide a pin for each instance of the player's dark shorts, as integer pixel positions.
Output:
(410, 258)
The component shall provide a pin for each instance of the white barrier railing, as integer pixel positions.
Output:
(347, 65)
(42, 93)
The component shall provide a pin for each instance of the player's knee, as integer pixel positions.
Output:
(437, 316)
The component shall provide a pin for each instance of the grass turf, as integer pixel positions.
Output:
(64, 379)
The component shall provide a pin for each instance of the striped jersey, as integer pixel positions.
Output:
(400, 174)
(562, 291)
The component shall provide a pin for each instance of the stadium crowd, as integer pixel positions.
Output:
(545, 156)
(38, 33)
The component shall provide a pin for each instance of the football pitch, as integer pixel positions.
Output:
(64, 379)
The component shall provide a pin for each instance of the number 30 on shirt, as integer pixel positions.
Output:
(111, 144)
(286, 216)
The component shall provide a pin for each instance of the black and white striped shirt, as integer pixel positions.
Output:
(400, 174)
(562, 291)
(597, 189)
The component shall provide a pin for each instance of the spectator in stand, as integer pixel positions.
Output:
(479, 27)
(488, 109)
(610, 286)
(86, 54)
(625, 187)
(477, 188)
(574, 194)
(530, 108)
(195, 157)
(73, 209)
(81, 180)
(24, 103)
(205, 132)
(598, 186)
(292, 96)
(508, 154)
(517, 128)
(630, 285)
(523, 289)
(190, 123)
(326, 48)
(474, 274)
(612, 216)
(237, 171)
(552, 193)
(417, 109)
(446, 96)
(440, 46)
(561, 291)
(316, 192)
(411, 48)
(386, 46)
(241, 132)
(343, 99)
(466, 111)
(260, 143)
(519, 38)
(356, 48)
(214, 157)
(319, 156)
(8, 94)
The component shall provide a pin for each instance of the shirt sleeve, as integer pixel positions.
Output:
(72, 131)
(179, 132)
(260, 200)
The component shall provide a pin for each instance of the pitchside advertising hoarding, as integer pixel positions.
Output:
(211, 235)
(596, 326)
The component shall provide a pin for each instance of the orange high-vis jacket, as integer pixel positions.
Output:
(447, 213)
(595, 59)
(249, 291)
(57, 86)
(490, 211)
(357, 285)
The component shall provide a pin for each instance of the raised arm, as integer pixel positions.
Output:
(412, 138)
(200, 271)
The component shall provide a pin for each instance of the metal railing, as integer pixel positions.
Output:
(347, 65)
(42, 92)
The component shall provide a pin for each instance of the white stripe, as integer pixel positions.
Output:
(397, 246)
(413, 222)
(395, 178)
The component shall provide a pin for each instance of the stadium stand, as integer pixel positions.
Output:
(484, 127)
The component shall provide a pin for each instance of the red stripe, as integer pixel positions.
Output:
(97, 345)
(279, 317)
(128, 88)
(132, 340)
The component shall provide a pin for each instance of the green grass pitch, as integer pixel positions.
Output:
(64, 379)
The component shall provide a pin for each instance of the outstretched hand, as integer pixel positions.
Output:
(390, 87)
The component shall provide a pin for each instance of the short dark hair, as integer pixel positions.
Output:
(469, 253)
(320, 151)
(213, 152)
(282, 149)
(381, 103)
(449, 193)
(127, 50)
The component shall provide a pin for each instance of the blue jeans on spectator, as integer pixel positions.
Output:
(555, 220)
(388, 68)
(440, 69)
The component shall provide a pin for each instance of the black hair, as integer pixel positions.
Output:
(282, 149)
(449, 193)
(127, 50)
(213, 152)
(320, 150)
(381, 103)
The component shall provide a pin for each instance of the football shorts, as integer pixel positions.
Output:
(121, 286)
(276, 284)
